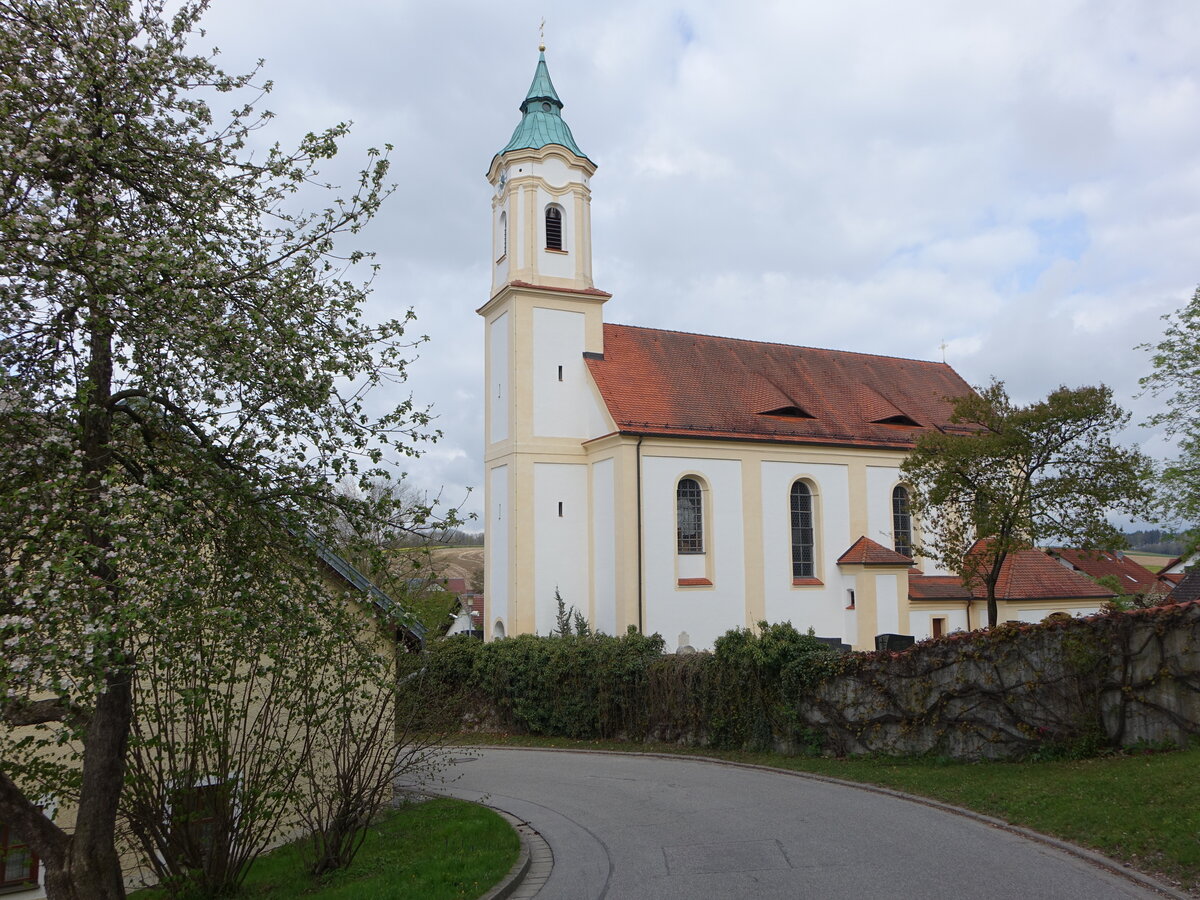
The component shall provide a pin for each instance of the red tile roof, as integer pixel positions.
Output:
(865, 552)
(1132, 576)
(676, 384)
(936, 587)
(1032, 575)
(1025, 575)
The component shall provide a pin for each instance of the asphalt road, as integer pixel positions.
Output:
(646, 828)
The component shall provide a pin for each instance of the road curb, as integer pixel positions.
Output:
(1097, 859)
(533, 864)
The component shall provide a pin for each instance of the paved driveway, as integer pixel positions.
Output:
(634, 827)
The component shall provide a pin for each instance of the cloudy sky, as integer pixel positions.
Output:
(1019, 181)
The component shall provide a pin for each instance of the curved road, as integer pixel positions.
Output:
(637, 827)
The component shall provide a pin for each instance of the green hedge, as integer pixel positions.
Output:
(742, 695)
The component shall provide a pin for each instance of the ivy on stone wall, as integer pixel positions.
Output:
(1065, 687)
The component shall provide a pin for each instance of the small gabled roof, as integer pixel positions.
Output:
(865, 552)
(676, 384)
(541, 117)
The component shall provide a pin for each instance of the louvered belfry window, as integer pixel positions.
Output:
(803, 538)
(901, 521)
(689, 512)
(553, 228)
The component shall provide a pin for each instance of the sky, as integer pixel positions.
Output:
(1015, 186)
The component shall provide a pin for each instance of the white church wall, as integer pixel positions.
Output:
(706, 612)
(497, 381)
(497, 547)
(604, 548)
(553, 170)
(880, 482)
(820, 607)
(887, 605)
(564, 402)
(560, 545)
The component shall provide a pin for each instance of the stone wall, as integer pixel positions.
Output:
(1063, 687)
(1117, 680)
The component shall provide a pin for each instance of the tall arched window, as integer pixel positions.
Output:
(503, 235)
(689, 515)
(901, 521)
(803, 537)
(554, 235)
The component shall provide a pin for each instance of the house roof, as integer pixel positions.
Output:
(541, 117)
(1032, 575)
(342, 567)
(1187, 589)
(676, 384)
(1026, 575)
(1131, 575)
(865, 552)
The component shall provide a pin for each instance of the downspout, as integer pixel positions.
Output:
(641, 615)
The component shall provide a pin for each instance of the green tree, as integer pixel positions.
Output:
(1176, 362)
(1010, 477)
(182, 352)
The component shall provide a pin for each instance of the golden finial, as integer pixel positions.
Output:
(542, 36)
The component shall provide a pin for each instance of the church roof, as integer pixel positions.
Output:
(675, 384)
(541, 117)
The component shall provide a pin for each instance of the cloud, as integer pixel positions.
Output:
(1020, 181)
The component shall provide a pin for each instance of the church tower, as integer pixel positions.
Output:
(543, 315)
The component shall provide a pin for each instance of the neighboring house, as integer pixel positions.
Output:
(469, 617)
(1172, 573)
(21, 873)
(1031, 587)
(682, 483)
(1130, 575)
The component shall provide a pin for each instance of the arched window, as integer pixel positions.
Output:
(689, 514)
(554, 235)
(901, 521)
(498, 630)
(503, 235)
(803, 537)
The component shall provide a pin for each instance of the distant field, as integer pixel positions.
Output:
(1152, 561)
(460, 562)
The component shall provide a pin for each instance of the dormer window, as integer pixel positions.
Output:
(554, 236)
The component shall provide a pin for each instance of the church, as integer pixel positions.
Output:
(685, 484)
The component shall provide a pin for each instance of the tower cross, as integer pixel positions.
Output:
(542, 35)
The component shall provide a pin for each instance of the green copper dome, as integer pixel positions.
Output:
(541, 117)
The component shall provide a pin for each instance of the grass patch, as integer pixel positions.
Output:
(1140, 808)
(438, 850)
